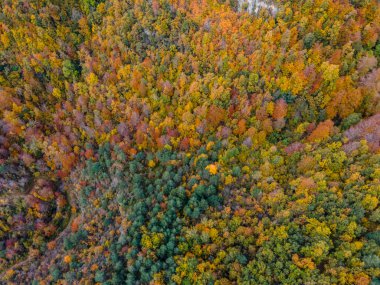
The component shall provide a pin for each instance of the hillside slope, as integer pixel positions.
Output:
(189, 142)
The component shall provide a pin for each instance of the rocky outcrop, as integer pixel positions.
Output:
(254, 6)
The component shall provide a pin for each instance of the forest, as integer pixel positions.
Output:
(190, 142)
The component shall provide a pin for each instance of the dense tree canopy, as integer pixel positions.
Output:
(189, 142)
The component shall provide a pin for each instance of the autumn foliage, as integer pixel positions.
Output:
(189, 142)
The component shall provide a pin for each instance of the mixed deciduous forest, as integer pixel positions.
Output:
(189, 142)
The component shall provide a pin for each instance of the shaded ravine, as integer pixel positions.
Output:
(58, 240)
